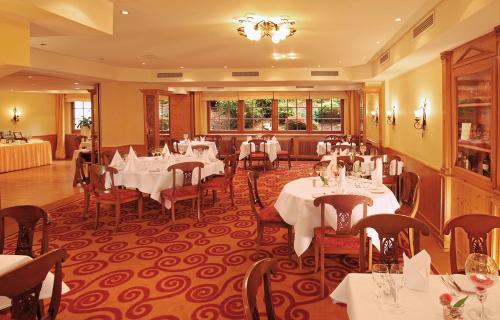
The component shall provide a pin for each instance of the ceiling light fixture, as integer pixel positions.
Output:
(225, 67)
(378, 42)
(124, 12)
(290, 56)
(181, 67)
(143, 63)
(255, 27)
(75, 83)
(398, 19)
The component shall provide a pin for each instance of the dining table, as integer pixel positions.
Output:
(183, 145)
(367, 166)
(295, 205)
(271, 148)
(23, 155)
(9, 262)
(150, 175)
(358, 292)
(322, 148)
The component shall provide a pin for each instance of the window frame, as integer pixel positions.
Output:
(273, 117)
(209, 117)
(164, 132)
(342, 119)
(275, 120)
(73, 127)
(307, 122)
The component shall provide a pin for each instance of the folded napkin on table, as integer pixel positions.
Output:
(342, 180)
(332, 166)
(165, 150)
(131, 153)
(205, 156)
(344, 152)
(211, 154)
(377, 175)
(249, 138)
(417, 271)
(274, 138)
(202, 138)
(189, 151)
(117, 161)
(131, 164)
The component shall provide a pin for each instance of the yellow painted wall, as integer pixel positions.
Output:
(406, 93)
(37, 112)
(372, 129)
(15, 37)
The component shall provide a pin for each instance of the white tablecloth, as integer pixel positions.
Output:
(367, 166)
(184, 144)
(152, 176)
(272, 148)
(9, 262)
(357, 291)
(295, 206)
(321, 148)
(17, 156)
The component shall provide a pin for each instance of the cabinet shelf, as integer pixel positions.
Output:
(474, 105)
(474, 147)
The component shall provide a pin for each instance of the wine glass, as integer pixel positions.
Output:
(379, 275)
(482, 271)
(398, 279)
(185, 135)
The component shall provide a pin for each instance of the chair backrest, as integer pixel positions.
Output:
(388, 227)
(267, 136)
(174, 145)
(330, 144)
(477, 226)
(344, 205)
(321, 165)
(230, 166)
(349, 161)
(215, 138)
(256, 144)
(199, 148)
(187, 169)
(386, 163)
(98, 178)
(27, 218)
(259, 272)
(83, 178)
(24, 283)
(333, 137)
(253, 191)
(106, 157)
(409, 194)
(290, 146)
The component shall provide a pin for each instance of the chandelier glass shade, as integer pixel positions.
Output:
(255, 27)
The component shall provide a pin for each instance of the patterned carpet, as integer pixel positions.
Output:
(153, 269)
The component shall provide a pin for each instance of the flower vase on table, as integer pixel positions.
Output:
(452, 311)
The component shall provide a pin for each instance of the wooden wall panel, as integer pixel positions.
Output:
(180, 115)
(70, 145)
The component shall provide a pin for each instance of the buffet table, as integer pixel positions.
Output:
(17, 156)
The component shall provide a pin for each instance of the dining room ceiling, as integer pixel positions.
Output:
(159, 34)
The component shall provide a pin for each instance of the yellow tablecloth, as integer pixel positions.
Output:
(24, 155)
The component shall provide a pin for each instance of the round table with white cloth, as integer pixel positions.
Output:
(295, 206)
(321, 148)
(151, 175)
(183, 145)
(272, 148)
(367, 166)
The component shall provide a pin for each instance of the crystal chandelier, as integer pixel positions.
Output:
(254, 27)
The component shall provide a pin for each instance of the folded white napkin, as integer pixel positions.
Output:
(166, 151)
(211, 154)
(202, 139)
(131, 153)
(249, 138)
(377, 176)
(342, 180)
(274, 138)
(189, 151)
(131, 165)
(417, 271)
(205, 158)
(117, 161)
(332, 166)
(344, 152)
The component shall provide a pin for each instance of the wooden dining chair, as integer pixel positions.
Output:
(107, 157)
(286, 154)
(27, 218)
(186, 190)
(266, 216)
(223, 182)
(333, 137)
(259, 152)
(321, 166)
(217, 139)
(174, 145)
(350, 160)
(259, 272)
(267, 136)
(236, 148)
(331, 144)
(388, 179)
(200, 148)
(409, 199)
(81, 168)
(23, 285)
(477, 226)
(112, 196)
(388, 227)
(338, 240)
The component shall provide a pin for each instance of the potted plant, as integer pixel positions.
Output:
(84, 126)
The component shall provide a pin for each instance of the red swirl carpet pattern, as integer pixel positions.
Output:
(154, 269)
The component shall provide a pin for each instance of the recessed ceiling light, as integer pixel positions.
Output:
(340, 61)
(124, 12)
(29, 77)
(378, 42)
(319, 66)
(225, 67)
(75, 83)
(272, 67)
(181, 67)
(398, 19)
(77, 88)
(43, 44)
(143, 63)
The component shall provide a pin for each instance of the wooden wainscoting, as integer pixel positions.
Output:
(70, 145)
(430, 192)
(52, 138)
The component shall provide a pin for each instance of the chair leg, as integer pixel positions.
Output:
(322, 276)
(140, 205)
(172, 209)
(290, 244)
(259, 237)
(97, 213)
(370, 255)
(162, 204)
(118, 212)
(410, 239)
(199, 207)
(214, 196)
(231, 193)
(86, 204)
(289, 162)
(316, 257)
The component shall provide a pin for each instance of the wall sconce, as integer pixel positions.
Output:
(421, 117)
(16, 115)
(391, 117)
(374, 114)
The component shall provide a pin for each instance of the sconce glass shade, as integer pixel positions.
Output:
(16, 115)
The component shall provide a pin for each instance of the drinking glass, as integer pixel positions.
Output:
(362, 149)
(379, 275)
(482, 271)
(398, 281)
(185, 135)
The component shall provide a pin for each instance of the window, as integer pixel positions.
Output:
(361, 114)
(80, 110)
(258, 115)
(223, 115)
(327, 114)
(164, 114)
(292, 115)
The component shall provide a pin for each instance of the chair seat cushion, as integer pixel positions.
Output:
(270, 214)
(282, 153)
(258, 155)
(215, 182)
(124, 195)
(181, 192)
(346, 242)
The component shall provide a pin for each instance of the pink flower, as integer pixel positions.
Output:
(445, 299)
